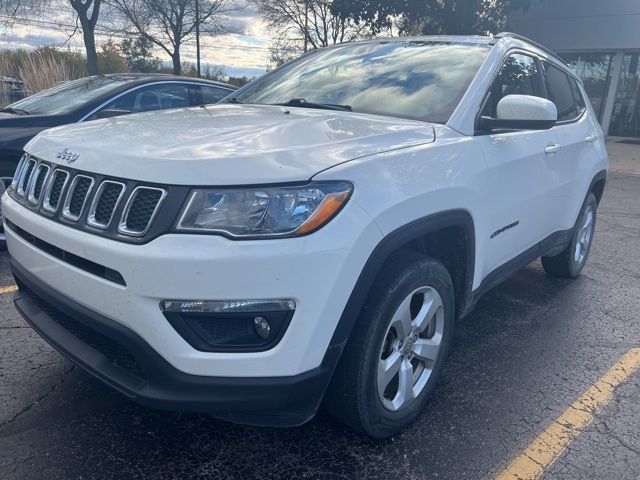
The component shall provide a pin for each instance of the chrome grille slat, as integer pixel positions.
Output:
(39, 179)
(140, 211)
(25, 177)
(21, 164)
(77, 196)
(57, 182)
(104, 204)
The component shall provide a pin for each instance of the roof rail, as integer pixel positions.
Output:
(529, 41)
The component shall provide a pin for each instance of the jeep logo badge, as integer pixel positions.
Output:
(67, 155)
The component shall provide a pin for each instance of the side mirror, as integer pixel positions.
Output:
(522, 112)
(108, 113)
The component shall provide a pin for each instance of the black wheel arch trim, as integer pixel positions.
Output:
(392, 243)
(600, 176)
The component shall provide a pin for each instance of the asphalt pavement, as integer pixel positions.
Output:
(532, 347)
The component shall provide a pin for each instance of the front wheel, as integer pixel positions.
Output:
(397, 349)
(571, 262)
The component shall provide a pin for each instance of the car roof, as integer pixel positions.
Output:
(141, 78)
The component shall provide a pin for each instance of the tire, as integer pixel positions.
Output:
(421, 287)
(571, 262)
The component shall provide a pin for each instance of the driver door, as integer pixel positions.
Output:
(522, 174)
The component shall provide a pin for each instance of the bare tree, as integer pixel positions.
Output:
(169, 23)
(282, 50)
(86, 11)
(308, 24)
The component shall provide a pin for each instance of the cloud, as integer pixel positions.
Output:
(245, 51)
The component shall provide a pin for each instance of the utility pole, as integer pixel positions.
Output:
(198, 37)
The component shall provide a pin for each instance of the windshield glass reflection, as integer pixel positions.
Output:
(422, 80)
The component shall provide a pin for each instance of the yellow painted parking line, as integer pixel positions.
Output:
(551, 443)
(9, 289)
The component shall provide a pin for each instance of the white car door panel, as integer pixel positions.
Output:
(521, 171)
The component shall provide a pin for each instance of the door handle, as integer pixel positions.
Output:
(591, 139)
(551, 149)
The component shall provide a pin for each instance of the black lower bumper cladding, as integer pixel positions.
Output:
(122, 359)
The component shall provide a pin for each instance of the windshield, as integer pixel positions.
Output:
(422, 80)
(67, 96)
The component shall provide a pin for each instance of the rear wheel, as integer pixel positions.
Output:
(397, 349)
(571, 262)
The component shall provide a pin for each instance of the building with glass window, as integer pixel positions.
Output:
(600, 40)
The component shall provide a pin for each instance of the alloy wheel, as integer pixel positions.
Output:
(410, 348)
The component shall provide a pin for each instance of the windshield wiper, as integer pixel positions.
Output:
(15, 111)
(234, 100)
(301, 102)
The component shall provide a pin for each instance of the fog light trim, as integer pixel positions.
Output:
(227, 306)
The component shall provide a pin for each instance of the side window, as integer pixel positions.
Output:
(519, 75)
(561, 93)
(153, 97)
(577, 93)
(209, 95)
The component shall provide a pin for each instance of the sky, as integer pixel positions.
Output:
(242, 53)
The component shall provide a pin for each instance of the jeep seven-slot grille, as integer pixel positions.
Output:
(121, 209)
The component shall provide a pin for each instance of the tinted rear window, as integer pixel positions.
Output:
(561, 93)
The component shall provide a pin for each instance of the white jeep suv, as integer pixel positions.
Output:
(313, 239)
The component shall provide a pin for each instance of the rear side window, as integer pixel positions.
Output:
(519, 75)
(561, 93)
(577, 93)
(153, 97)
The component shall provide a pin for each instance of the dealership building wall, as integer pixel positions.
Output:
(600, 40)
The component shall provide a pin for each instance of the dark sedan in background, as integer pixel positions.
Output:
(90, 98)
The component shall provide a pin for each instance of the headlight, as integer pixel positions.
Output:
(264, 212)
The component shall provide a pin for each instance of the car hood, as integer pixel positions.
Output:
(227, 144)
(16, 130)
(10, 120)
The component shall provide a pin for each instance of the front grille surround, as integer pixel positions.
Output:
(153, 208)
(77, 193)
(55, 190)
